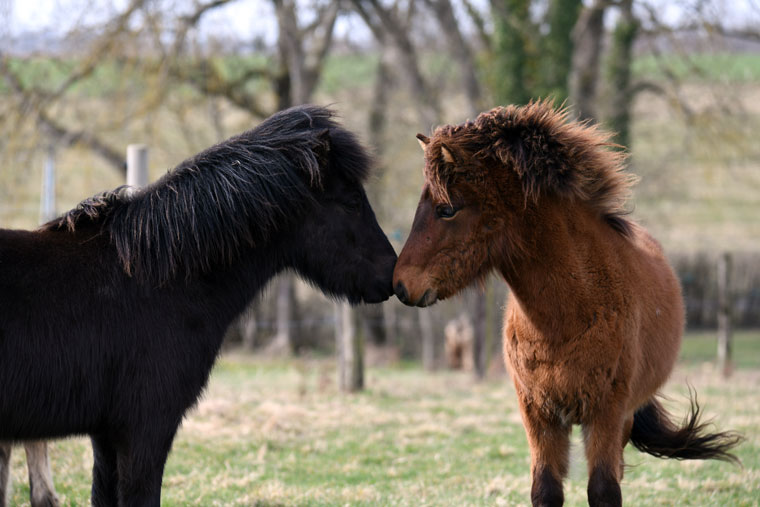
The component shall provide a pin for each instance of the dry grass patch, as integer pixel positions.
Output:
(277, 433)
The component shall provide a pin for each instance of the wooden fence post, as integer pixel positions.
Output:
(282, 345)
(137, 165)
(724, 314)
(350, 349)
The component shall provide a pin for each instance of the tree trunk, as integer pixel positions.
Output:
(558, 47)
(493, 330)
(390, 319)
(461, 52)
(584, 73)
(378, 111)
(373, 324)
(619, 73)
(283, 340)
(247, 326)
(387, 27)
(479, 335)
(511, 26)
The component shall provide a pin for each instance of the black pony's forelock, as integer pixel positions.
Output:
(233, 194)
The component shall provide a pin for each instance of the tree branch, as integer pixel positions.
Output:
(480, 24)
(461, 51)
(391, 30)
(95, 58)
(61, 133)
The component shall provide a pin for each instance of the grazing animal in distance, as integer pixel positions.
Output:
(457, 347)
(595, 315)
(112, 315)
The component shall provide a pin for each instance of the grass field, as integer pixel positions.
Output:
(278, 433)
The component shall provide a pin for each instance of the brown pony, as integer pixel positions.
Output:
(594, 323)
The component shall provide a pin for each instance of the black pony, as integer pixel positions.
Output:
(111, 316)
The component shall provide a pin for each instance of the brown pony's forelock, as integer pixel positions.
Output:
(550, 154)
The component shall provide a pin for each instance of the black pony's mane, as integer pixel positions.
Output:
(233, 194)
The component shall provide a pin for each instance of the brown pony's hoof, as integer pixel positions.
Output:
(603, 489)
(546, 491)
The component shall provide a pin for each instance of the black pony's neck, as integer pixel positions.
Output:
(231, 287)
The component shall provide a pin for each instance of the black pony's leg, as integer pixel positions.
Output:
(105, 477)
(142, 468)
(5, 465)
(41, 488)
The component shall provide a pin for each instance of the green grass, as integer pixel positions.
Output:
(278, 433)
(716, 67)
(351, 70)
(700, 347)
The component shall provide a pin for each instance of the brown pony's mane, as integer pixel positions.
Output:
(550, 154)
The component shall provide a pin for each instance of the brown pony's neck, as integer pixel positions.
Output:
(554, 280)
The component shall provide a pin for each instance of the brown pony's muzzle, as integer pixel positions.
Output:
(411, 293)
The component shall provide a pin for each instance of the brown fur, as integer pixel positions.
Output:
(595, 317)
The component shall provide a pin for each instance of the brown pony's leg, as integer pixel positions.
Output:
(604, 453)
(549, 448)
(627, 425)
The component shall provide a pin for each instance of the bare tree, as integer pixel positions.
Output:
(391, 26)
(303, 49)
(461, 51)
(588, 36)
(619, 73)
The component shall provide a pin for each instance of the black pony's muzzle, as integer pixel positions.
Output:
(381, 287)
(401, 293)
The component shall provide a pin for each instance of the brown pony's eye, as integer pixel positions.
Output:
(445, 211)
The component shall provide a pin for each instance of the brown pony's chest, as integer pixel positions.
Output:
(567, 377)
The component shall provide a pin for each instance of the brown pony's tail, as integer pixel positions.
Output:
(654, 432)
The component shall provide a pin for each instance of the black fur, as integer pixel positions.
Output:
(546, 490)
(653, 432)
(112, 316)
(603, 489)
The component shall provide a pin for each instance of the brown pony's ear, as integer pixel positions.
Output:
(423, 140)
(448, 155)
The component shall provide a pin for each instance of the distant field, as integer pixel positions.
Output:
(277, 433)
(353, 69)
(716, 66)
(700, 347)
